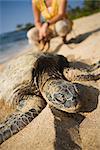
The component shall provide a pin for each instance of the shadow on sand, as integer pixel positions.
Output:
(78, 39)
(67, 124)
(67, 130)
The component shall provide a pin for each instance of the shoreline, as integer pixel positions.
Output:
(13, 52)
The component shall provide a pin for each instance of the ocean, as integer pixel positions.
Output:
(11, 44)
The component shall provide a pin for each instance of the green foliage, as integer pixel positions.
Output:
(19, 26)
(28, 26)
(25, 27)
(89, 7)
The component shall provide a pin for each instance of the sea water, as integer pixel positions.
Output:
(11, 44)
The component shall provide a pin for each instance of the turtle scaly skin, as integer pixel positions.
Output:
(35, 85)
(26, 111)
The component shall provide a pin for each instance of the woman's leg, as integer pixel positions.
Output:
(33, 36)
(63, 27)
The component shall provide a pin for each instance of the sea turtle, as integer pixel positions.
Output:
(30, 82)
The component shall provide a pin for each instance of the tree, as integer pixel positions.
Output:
(19, 26)
(91, 5)
(28, 26)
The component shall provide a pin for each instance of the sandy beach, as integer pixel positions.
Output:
(55, 130)
(1, 67)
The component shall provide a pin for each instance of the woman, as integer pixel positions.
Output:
(56, 20)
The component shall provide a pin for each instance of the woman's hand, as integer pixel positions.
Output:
(43, 31)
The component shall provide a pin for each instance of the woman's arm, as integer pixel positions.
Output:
(36, 11)
(61, 13)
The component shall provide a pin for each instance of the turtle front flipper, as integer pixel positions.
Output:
(78, 75)
(25, 113)
(88, 77)
(94, 66)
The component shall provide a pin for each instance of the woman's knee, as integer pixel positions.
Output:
(63, 27)
(33, 35)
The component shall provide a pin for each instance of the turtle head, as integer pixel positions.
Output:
(63, 95)
(48, 66)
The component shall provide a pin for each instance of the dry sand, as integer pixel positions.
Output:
(55, 130)
(1, 67)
